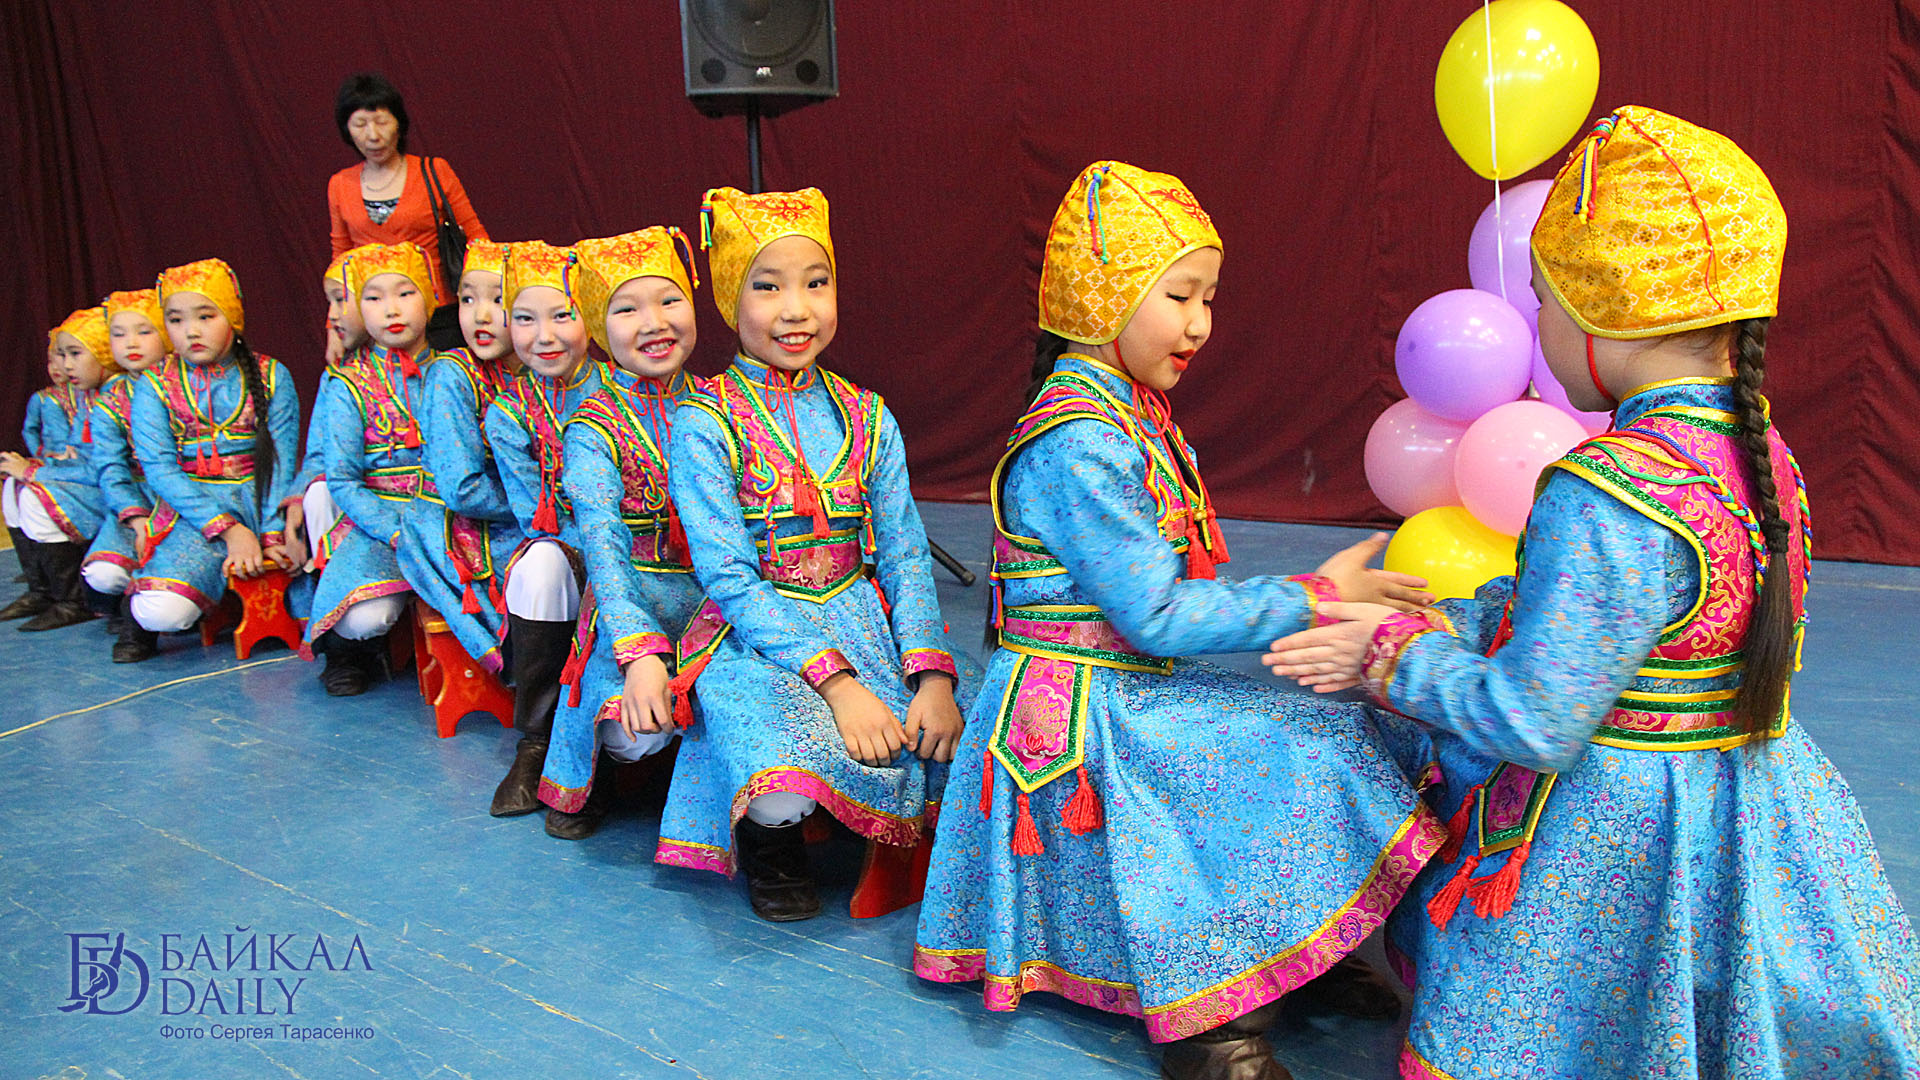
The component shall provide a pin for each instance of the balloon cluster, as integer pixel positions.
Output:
(1460, 457)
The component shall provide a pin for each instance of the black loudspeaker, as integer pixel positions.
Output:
(777, 51)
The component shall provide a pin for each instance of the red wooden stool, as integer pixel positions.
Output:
(461, 687)
(891, 878)
(424, 664)
(263, 613)
(224, 614)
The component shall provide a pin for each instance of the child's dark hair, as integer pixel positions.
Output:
(1768, 651)
(1046, 353)
(262, 449)
(371, 91)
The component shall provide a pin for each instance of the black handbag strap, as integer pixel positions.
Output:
(436, 196)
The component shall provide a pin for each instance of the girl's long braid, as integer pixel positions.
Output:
(1769, 645)
(262, 450)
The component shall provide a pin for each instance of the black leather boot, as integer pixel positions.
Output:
(104, 605)
(773, 859)
(60, 569)
(1351, 987)
(136, 642)
(352, 666)
(586, 821)
(539, 649)
(38, 596)
(19, 538)
(1236, 1050)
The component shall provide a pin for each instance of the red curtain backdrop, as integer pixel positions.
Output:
(153, 134)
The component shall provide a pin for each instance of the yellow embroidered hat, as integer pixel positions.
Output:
(142, 302)
(89, 327)
(735, 226)
(369, 261)
(211, 278)
(485, 256)
(1657, 226)
(535, 262)
(610, 262)
(1115, 233)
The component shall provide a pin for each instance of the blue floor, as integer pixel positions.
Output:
(251, 800)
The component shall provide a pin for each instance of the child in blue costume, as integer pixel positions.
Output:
(311, 511)
(138, 339)
(44, 433)
(216, 428)
(635, 291)
(1666, 876)
(456, 542)
(370, 446)
(1133, 830)
(817, 684)
(59, 501)
(524, 426)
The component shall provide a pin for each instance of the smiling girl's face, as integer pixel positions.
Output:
(1173, 320)
(650, 326)
(548, 334)
(789, 306)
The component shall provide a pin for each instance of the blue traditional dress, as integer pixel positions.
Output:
(461, 519)
(782, 619)
(524, 428)
(1634, 888)
(640, 585)
(123, 486)
(1144, 833)
(67, 486)
(370, 449)
(49, 421)
(313, 469)
(193, 433)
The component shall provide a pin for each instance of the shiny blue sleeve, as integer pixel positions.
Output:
(343, 448)
(113, 465)
(1600, 583)
(1080, 488)
(456, 448)
(595, 487)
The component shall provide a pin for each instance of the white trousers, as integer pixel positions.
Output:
(10, 501)
(615, 740)
(779, 808)
(541, 585)
(104, 577)
(371, 618)
(36, 522)
(318, 506)
(163, 612)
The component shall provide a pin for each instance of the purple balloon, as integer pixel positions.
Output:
(1509, 233)
(1549, 390)
(1409, 458)
(1463, 352)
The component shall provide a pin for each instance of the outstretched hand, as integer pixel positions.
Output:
(1329, 658)
(1359, 583)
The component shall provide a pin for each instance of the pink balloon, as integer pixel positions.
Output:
(1501, 457)
(1508, 234)
(1409, 458)
(1551, 392)
(1462, 352)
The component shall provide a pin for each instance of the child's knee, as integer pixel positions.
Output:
(541, 585)
(163, 612)
(104, 577)
(371, 618)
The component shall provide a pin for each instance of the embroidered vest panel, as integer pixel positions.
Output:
(645, 506)
(1654, 466)
(388, 423)
(527, 401)
(765, 465)
(195, 435)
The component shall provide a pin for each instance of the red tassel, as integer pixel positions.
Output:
(1026, 836)
(408, 368)
(469, 603)
(806, 502)
(1493, 896)
(1199, 560)
(1082, 814)
(677, 548)
(411, 438)
(885, 607)
(1457, 827)
(575, 667)
(986, 787)
(545, 519)
(1447, 901)
(1220, 555)
(216, 464)
(681, 687)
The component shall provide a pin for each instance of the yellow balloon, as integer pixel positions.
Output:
(1546, 71)
(1451, 549)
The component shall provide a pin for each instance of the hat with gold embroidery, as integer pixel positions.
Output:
(609, 262)
(485, 257)
(736, 226)
(369, 261)
(88, 326)
(1657, 226)
(536, 262)
(211, 278)
(142, 302)
(1115, 233)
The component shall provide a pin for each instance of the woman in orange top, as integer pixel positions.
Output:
(383, 200)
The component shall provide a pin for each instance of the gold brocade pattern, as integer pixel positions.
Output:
(1115, 233)
(88, 326)
(1656, 226)
(369, 261)
(609, 262)
(211, 278)
(145, 302)
(485, 257)
(535, 262)
(736, 226)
